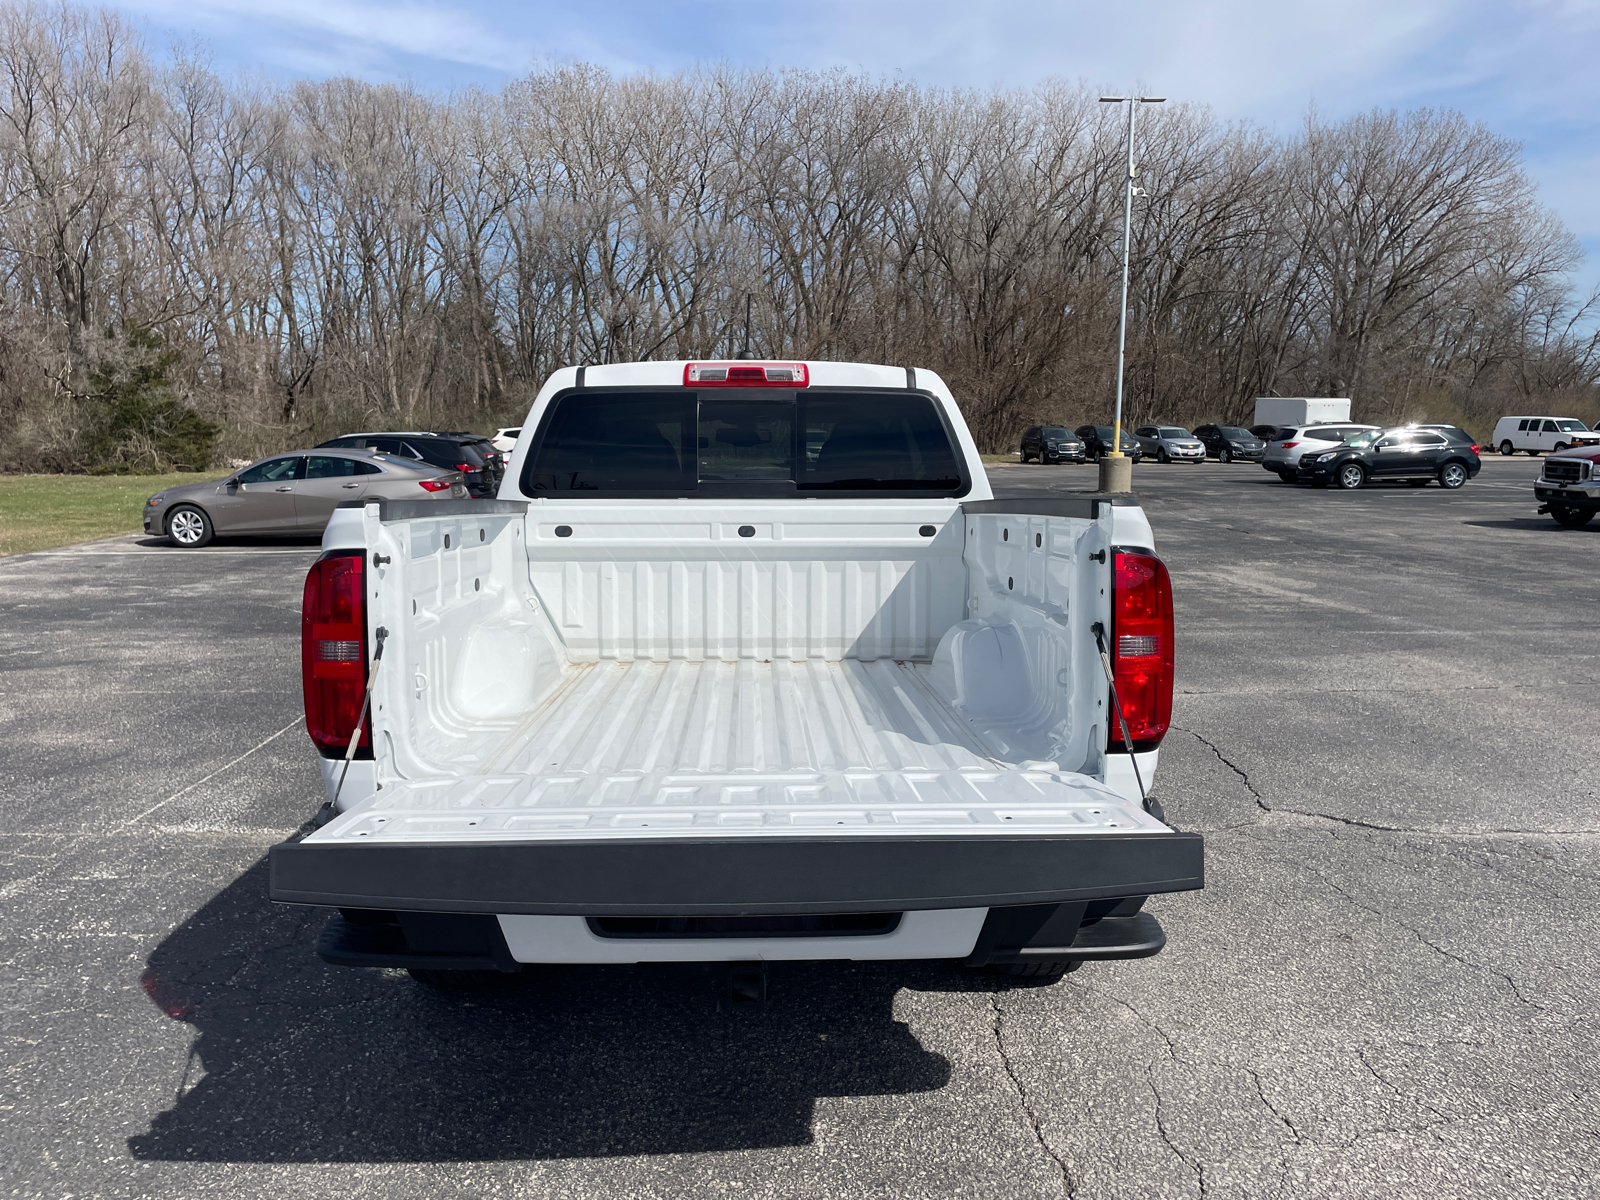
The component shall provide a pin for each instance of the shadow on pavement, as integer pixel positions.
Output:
(236, 542)
(1537, 524)
(297, 1061)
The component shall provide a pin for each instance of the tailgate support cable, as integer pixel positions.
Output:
(1127, 738)
(355, 734)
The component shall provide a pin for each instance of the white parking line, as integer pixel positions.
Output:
(225, 766)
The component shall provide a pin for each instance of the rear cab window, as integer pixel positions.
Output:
(752, 442)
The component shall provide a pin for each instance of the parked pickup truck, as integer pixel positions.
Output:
(745, 663)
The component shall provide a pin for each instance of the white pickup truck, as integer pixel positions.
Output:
(744, 664)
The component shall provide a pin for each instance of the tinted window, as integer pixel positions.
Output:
(389, 445)
(616, 444)
(1172, 431)
(877, 443)
(1233, 431)
(1550, 427)
(274, 470)
(1427, 439)
(327, 467)
(366, 468)
(742, 442)
(1055, 431)
(1571, 426)
(1146, 431)
(749, 440)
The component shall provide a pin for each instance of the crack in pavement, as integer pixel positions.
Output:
(1417, 933)
(1195, 1165)
(1354, 822)
(1034, 1121)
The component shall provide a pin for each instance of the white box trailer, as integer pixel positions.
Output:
(1300, 410)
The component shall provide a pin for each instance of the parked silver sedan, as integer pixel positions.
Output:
(291, 493)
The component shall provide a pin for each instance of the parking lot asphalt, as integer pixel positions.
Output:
(1384, 725)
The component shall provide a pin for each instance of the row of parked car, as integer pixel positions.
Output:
(296, 492)
(1344, 455)
(1164, 443)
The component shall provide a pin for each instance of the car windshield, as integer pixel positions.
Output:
(1233, 431)
(1053, 431)
(1363, 437)
(1172, 431)
(1568, 426)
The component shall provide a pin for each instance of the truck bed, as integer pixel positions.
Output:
(741, 747)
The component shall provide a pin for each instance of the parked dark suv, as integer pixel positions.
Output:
(1051, 443)
(1414, 455)
(483, 445)
(1230, 443)
(452, 453)
(1097, 442)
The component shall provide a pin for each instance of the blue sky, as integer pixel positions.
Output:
(1524, 67)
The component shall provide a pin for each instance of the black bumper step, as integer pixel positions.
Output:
(735, 877)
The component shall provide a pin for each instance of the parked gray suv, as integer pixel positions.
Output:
(1170, 443)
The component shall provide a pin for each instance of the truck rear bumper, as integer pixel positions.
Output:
(462, 942)
(733, 876)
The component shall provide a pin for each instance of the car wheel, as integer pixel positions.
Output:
(1572, 518)
(1560, 446)
(1225, 456)
(1507, 448)
(1351, 475)
(1288, 476)
(189, 528)
(1163, 456)
(1452, 476)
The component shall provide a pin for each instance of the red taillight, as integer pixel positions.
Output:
(1142, 648)
(465, 468)
(1288, 445)
(433, 485)
(333, 651)
(744, 374)
(1475, 450)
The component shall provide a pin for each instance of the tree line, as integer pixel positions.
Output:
(199, 266)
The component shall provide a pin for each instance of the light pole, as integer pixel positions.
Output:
(1116, 469)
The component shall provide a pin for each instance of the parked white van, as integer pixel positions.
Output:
(1534, 434)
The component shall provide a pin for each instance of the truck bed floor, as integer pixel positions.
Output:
(722, 717)
(746, 748)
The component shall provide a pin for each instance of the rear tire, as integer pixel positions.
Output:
(454, 981)
(188, 528)
(1351, 476)
(1036, 970)
(1507, 448)
(1572, 518)
(1451, 476)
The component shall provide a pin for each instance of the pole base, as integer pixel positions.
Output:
(1116, 474)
